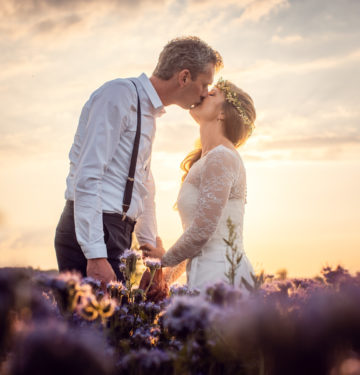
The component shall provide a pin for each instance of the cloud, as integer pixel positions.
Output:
(289, 39)
(327, 19)
(44, 18)
(36, 142)
(18, 240)
(296, 69)
(28, 248)
(309, 142)
(50, 25)
(31, 18)
(176, 137)
(261, 8)
(270, 68)
(2, 219)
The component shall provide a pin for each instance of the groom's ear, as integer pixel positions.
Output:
(184, 77)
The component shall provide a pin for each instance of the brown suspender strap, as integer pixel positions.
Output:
(130, 180)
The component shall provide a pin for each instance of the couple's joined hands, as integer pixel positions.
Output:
(101, 269)
(153, 252)
(159, 288)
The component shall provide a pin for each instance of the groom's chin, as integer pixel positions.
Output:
(193, 106)
(184, 106)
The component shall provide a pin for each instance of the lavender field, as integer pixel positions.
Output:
(62, 324)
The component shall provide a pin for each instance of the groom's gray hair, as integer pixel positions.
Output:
(186, 53)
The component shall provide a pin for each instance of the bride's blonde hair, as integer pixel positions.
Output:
(236, 127)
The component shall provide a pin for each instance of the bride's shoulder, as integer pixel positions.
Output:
(222, 159)
(224, 154)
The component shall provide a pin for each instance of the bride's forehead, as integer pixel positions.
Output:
(213, 88)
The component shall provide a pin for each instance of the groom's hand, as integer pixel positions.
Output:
(153, 252)
(100, 269)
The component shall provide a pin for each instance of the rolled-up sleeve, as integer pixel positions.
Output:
(105, 119)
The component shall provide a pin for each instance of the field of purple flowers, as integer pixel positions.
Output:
(62, 324)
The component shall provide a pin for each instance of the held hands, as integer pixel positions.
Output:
(100, 269)
(158, 289)
(153, 252)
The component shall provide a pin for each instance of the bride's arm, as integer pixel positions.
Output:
(171, 274)
(218, 173)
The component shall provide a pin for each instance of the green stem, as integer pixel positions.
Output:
(151, 280)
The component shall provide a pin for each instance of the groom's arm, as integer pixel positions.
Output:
(146, 225)
(101, 128)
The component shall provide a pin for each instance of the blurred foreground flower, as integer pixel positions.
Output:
(128, 267)
(91, 308)
(52, 348)
(152, 264)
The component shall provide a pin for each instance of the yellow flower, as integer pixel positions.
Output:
(94, 308)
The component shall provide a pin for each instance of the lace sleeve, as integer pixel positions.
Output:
(218, 173)
(171, 274)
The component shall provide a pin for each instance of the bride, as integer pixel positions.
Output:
(213, 190)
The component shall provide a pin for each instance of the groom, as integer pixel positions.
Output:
(110, 189)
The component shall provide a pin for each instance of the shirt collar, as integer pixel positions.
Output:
(152, 94)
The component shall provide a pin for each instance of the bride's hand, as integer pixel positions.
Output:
(153, 252)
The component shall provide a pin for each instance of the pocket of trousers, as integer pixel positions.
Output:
(116, 236)
(66, 225)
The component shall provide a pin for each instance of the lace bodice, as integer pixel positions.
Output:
(214, 189)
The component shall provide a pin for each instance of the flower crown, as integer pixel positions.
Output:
(232, 98)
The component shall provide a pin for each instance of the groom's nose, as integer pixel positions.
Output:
(205, 93)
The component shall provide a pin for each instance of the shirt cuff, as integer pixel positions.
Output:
(142, 241)
(95, 251)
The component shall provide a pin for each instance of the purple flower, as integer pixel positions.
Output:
(152, 263)
(51, 347)
(146, 361)
(130, 254)
(182, 290)
(95, 284)
(335, 276)
(122, 267)
(222, 294)
(187, 315)
(69, 277)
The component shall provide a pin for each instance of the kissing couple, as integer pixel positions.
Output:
(110, 188)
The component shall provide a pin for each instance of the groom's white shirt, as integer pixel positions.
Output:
(100, 158)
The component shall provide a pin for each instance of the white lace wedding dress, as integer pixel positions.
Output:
(213, 191)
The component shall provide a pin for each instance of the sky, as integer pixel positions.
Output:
(298, 59)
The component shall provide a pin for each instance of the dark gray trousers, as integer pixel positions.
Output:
(117, 237)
